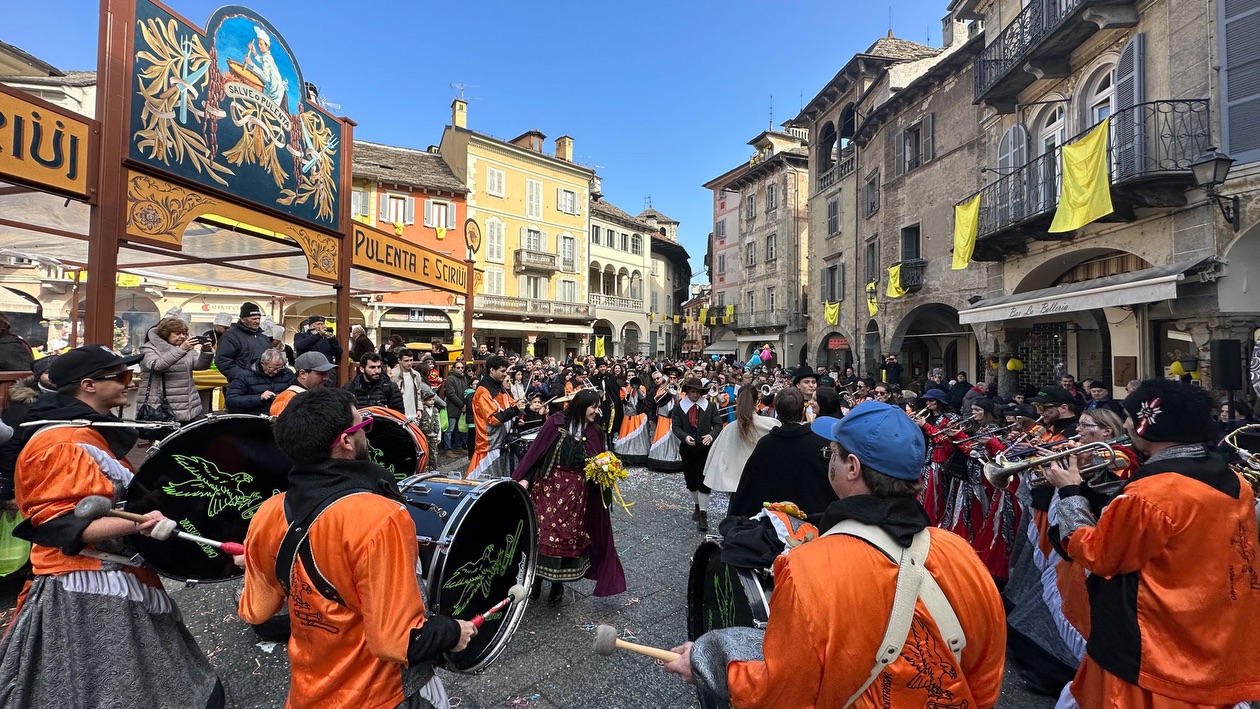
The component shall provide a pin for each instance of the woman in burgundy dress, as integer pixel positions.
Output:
(575, 538)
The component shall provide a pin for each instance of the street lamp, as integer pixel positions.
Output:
(1210, 169)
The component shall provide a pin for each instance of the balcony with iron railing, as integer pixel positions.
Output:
(615, 302)
(913, 274)
(540, 261)
(532, 309)
(1037, 44)
(1149, 151)
(760, 319)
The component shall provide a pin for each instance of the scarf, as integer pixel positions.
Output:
(901, 517)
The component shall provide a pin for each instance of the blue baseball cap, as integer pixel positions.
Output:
(881, 436)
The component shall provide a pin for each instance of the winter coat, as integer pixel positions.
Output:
(168, 369)
(239, 350)
(312, 341)
(23, 397)
(453, 393)
(787, 464)
(360, 346)
(382, 392)
(421, 389)
(15, 354)
(244, 392)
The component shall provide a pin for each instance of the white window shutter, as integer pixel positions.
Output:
(450, 216)
(524, 236)
(560, 205)
(409, 212)
(428, 212)
(383, 213)
(926, 143)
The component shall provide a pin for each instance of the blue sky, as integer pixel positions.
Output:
(659, 97)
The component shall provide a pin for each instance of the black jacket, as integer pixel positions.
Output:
(24, 395)
(786, 465)
(312, 341)
(382, 392)
(239, 349)
(709, 423)
(244, 392)
(15, 354)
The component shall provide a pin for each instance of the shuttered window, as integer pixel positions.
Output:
(1012, 154)
(439, 214)
(397, 209)
(533, 199)
(533, 239)
(360, 203)
(494, 242)
(495, 179)
(494, 282)
(1128, 130)
(1240, 80)
(833, 217)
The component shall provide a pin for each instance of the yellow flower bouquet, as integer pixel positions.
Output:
(605, 470)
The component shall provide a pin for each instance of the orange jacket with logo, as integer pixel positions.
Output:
(832, 598)
(351, 655)
(1175, 589)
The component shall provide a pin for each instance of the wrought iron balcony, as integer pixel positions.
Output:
(532, 309)
(530, 260)
(912, 274)
(1149, 153)
(760, 319)
(1037, 43)
(616, 302)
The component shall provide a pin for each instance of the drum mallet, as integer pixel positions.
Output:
(97, 506)
(515, 595)
(606, 641)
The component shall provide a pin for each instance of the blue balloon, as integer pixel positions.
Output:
(754, 361)
(716, 357)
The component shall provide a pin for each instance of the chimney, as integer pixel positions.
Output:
(564, 148)
(459, 113)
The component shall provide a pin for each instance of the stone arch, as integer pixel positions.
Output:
(824, 355)
(871, 352)
(828, 147)
(631, 339)
(1052, 267)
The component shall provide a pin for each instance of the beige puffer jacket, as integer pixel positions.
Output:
(162, 360)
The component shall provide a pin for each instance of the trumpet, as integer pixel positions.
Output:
(1249, 468)
(1002, 469)
(673, 389)
(987, 434)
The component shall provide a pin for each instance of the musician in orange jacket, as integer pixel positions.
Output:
(312, 372)
(492, 408)
(360, 636)
(835, 603)
(1175, 586)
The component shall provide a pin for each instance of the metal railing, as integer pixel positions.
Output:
(913, 272)
(1149, 139)
(532, 306)
(1038, 19)
(842, 169)
(761, 318)
(528, 258)
(614, 301)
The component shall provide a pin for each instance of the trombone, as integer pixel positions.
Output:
(1002, 469)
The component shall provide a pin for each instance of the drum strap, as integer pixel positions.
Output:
(296, 543)
(913, 583)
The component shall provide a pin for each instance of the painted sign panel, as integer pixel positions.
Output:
(42, 145)
(384, 253)
(226, 107)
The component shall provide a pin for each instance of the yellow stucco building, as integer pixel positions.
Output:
(534, 211)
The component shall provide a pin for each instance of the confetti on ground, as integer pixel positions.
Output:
(522, 701)
(588, 627)
(454, 702)
(267, 647)
(664, 506)
(632, 602)
(628, 634)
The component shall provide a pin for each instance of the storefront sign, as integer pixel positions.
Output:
(416, 315)
(1049, 302)
(42, 145)
(384, 253)
(835, 342)
(227, 108)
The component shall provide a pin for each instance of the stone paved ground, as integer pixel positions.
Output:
(548, 663)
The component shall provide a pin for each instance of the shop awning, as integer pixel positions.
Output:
(1148, 285)
(11, 302)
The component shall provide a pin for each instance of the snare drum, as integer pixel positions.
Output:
(477, 540)
(210, 476)
(396, 444)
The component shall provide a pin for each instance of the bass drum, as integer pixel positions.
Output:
(396, 443)
(210, 476)
(722, 596)
(477, 540)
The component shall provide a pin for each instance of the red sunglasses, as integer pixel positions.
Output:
(365, 425)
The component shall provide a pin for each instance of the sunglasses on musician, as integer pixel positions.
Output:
(123, 377)
(365, 425)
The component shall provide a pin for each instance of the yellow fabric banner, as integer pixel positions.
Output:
(966, 224)
(730, 312)
(894, 282)
(441, 233)
(831, 313)
(872, 302)
(677, 319)
(704, 314)
(1085, 187)
(599, 346)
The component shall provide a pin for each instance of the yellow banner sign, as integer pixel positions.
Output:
(41, 145)
(386, 254)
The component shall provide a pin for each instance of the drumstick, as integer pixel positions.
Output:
(606, 640)
(515, 594)
(97, 506)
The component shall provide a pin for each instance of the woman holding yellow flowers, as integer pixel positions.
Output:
(575, 536)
